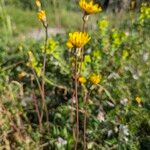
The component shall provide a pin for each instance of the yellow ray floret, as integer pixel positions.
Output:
(42, 15)
(77, 39)
(138, 99)
(89, 7)
(82, 80)
(38, 3)
(95, 79)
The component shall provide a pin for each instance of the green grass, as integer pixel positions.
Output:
(22, 20)
(25, 20)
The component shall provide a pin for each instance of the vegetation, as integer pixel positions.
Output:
(87, 88)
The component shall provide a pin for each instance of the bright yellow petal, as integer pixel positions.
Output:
(69, 45)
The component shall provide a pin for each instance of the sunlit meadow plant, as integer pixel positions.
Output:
(39, 70)
(107, 81)
(76, 42)
(145, 14)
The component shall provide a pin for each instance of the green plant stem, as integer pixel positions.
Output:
(37, 110)
(72, 98)
(84, 23)
(82, 49)
(41, 93)
(86, 97)
(76, 98)
(85, 120)
(44, 106)
(36, 106)
(84, 124)
(72, 119)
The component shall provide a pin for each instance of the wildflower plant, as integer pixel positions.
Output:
(101, 77)
(39, 71)
(77, 41)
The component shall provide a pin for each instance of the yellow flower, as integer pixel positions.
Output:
(42, 15)
(77, 39)
(82, 80)
(95, 79)
(89, 7)
(38, 3)
(22, 74)
(138, 100)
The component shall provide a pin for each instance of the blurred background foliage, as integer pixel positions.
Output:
(118, 111)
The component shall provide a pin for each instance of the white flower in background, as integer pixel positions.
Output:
(100, 116)
(114, 75)
(90, 145)
(126, 139)
(135, 76)
(110, 132)
(89, 51)
(127, 68)
(56, 63)
(116, 129)
(124, 129)
(127, 33)
(123, 132)
(124, 101)
(145, 56)
(110, 104)
(60, 142)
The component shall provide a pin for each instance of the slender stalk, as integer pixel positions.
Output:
(84, 132)
(72, 110)
(41, 93)
(84, 18)
(42, 18)
(84, 22)
(85, 120)
(37, 110)
(77, 74)
(73, 96)
(36, 106)
(87, 94)
(77, 102)
(44, 106)
(84, 123)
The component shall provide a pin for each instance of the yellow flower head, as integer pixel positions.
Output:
(38, 3)
(95, 79)
(82, 80)
(89, 7)
(77, 39)
(42, 15)
(138, 100)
